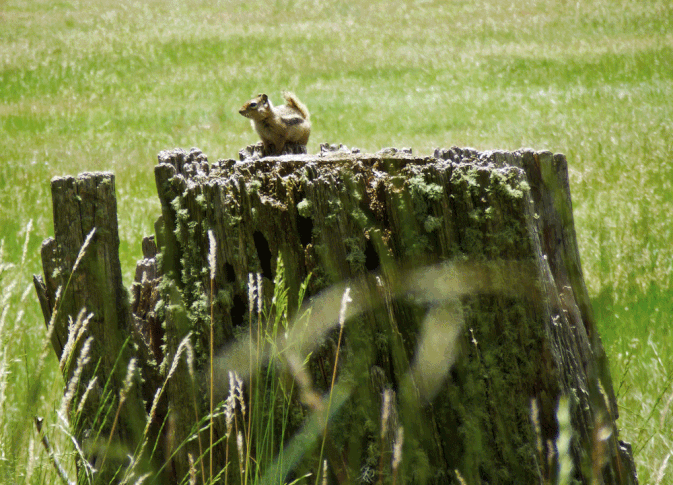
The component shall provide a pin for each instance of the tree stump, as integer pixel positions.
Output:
(446, 290)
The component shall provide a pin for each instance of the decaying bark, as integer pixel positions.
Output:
(469, 309)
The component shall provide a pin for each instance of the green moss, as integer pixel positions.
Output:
(465, 177)
(489, 395)
(490, 197)
(254, 186)
(418, 187)
(335, 208)
(416, 461)
(423, 195)
(356, 256)
(510, 184)
(473, 242)
(360, 218)
(305, 208)
(189, 234)
(225, 298)
(432, 223)
(414, 242)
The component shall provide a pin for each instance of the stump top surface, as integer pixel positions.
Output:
(194, 164)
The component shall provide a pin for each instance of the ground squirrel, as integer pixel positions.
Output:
(279, 125)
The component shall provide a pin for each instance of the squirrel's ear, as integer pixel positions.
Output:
(264, 97)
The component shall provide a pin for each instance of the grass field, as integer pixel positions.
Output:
(106, 85)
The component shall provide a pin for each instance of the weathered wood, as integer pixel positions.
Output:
(82, 282)
(339, 215)
(468, 303)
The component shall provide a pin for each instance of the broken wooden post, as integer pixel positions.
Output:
(469, 312)
(83, 298)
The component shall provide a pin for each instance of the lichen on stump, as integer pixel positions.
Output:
(468, 305)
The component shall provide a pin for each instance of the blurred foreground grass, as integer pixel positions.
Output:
(103, 85)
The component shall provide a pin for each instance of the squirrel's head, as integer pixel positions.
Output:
(260, 103)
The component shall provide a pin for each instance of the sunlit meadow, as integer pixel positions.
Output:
(106, 85)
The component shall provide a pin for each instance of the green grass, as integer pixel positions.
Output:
(105, 85)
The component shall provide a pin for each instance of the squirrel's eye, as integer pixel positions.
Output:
(253, 105)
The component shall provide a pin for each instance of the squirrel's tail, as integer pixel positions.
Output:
(293, 102)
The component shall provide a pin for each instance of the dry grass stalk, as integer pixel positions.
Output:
(241, 454)
(251, 292)
(3, 316)
(385, 410)
(307, 395)
(664, 411)
(192, 470)
(82, 360)
(4, 373)
(189, 351)
(211, 261)
(55, 311)
(241, 402)
(46, 343)
(60, 471)
(24, 253)
(83, 450)
(255, 296)
(385, 415)
(212, 254)
(89, 387)
(259, 295)
(153, 410)
(239, 394)
(183, 347)
(126, 387)
(142, 478)
(535, 418)
(229, 410)
(662, 470)
(76, 330)
(30, 466)
(345, 300)
(82, 252)
(252, 295)
(397, 452)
